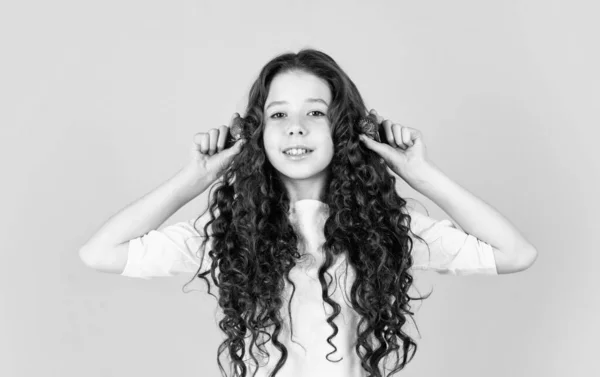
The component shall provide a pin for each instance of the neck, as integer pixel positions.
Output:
(310, 188)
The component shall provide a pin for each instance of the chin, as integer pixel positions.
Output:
(302, 173)
(312, 167)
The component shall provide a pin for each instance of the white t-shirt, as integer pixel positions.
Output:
(176, 249)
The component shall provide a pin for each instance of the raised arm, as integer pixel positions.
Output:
(107, 250)
(405, 154)
(133, 230)
(512, 252)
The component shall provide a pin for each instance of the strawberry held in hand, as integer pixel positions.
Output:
(403, 149)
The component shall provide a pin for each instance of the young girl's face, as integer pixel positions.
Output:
(296, 114)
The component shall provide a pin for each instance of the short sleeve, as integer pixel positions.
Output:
(170, 251)
(448, 249)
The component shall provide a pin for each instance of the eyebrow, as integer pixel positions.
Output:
(307, 100)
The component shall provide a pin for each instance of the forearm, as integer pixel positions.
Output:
(474, 215)
(150, 211)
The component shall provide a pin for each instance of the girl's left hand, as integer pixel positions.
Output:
(404, 153)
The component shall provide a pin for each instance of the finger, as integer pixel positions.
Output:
(397, 131)
(223, 131)
(407, 136)
(235, 127)
(381, 149)
(380, 121)
(387, 127)
(379, 117)
(213, 135)
(201, 142)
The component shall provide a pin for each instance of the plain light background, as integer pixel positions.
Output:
(100, 102)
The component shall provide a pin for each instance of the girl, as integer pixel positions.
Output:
(306, 202)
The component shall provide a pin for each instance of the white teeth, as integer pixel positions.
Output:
(295, 152)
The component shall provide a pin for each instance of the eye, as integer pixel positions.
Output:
(314, 111)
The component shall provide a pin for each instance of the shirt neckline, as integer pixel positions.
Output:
(309, 202)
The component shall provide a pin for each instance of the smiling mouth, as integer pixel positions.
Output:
(298, 154)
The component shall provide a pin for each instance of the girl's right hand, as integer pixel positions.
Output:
(209, 156)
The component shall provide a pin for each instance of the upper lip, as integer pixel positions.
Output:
(296, 147)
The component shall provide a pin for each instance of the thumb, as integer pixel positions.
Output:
(224, 158)
(380, 148)
(237, 147)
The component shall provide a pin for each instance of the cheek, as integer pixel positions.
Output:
(271, 153)
(269, 144)
(269, 137)
(329, 154)
(328, 145)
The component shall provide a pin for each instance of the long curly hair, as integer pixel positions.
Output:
(255, 246)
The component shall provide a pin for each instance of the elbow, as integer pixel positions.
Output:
(528, 256)
(517, 260)
(86, 257)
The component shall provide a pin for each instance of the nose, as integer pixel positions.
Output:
(296, 128)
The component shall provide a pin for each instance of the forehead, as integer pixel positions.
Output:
(297, 86)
